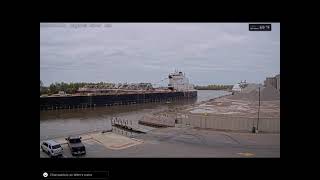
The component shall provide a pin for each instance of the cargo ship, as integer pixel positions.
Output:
(178, 88)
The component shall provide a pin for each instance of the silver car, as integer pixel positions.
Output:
(52, 148)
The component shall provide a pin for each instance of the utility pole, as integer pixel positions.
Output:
(253, 128)
(258, 111)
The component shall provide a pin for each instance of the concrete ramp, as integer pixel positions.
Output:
(114, 141)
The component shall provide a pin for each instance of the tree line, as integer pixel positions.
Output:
(214, 87)
(69, 88)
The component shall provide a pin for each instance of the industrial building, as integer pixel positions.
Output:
(273, 82)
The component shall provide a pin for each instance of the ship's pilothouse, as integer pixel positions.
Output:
(179, 82)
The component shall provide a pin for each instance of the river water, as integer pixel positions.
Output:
(62, 123)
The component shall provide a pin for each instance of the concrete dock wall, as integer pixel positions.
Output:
(229, 122)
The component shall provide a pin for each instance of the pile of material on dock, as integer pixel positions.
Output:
(252, 94)
(157, 121)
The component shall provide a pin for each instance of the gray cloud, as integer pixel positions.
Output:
(146, 52)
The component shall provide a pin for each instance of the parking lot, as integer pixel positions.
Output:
(178, 142)
(92, 150)
(98, 144)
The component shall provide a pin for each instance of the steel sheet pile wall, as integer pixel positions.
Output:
(47, 103)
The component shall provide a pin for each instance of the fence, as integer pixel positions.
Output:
(229, 122)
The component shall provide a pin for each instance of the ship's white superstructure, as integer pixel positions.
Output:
(236, 87)
(239, 86)
(179, 82)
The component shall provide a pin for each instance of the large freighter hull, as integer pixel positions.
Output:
(70, 102)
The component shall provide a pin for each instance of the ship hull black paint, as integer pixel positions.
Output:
(70, 102)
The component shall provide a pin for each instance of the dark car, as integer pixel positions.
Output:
(76, 146)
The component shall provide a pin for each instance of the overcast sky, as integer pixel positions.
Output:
(209, 53)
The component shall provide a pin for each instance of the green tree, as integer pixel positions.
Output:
(53, 88)
(43, 89)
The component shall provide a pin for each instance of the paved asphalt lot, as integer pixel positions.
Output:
(188, 142)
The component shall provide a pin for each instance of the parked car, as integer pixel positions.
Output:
(52, 148)
(76, 146)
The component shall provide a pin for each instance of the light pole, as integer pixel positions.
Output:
(258, 111)
(253, 128)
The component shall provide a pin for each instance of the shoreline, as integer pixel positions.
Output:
(184, 107)
(213, 99)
